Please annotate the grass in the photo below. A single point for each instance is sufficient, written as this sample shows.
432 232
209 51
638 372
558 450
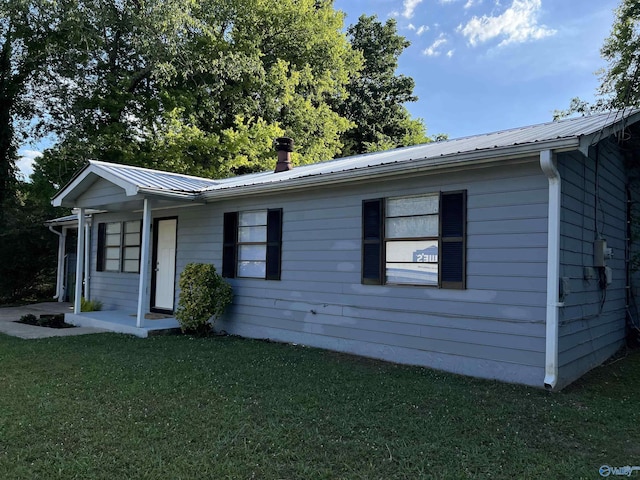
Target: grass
112 406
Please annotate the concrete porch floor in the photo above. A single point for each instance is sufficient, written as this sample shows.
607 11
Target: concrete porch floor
121 321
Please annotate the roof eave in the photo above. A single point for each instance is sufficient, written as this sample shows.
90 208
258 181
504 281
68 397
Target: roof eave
617 126
445 162
60 199
172 194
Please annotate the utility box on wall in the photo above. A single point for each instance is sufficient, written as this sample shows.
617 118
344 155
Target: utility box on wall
601 253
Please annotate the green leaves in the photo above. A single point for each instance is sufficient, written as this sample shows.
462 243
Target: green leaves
204 296
621 80
376 98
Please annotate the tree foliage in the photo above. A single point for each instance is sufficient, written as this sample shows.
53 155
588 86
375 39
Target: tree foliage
27 248
375 104
31 38
223 76
620 80
196 87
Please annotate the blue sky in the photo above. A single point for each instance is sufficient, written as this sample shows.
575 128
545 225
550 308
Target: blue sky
487 65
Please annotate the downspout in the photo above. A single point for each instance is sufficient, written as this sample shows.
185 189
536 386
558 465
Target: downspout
60 270
553 269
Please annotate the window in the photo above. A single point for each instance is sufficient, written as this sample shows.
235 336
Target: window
119 246
131 247
415 240
252 244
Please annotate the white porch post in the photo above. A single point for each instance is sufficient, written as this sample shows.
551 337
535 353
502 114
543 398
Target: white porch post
144 262
79 262
87 263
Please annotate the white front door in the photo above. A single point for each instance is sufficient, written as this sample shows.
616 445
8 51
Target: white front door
165 264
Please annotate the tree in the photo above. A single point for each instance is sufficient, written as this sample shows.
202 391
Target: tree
377 96
620 80
224 75
30 36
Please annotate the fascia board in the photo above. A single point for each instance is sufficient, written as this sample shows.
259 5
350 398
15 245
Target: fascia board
461 161
66 196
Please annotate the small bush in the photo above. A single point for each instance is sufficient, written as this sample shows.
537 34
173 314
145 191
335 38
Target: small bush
46 320
90 305
29 318
204 296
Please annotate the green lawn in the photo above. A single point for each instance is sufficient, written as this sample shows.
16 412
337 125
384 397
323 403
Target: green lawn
117 407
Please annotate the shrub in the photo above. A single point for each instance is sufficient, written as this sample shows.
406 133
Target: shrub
29 318
204 296
90 305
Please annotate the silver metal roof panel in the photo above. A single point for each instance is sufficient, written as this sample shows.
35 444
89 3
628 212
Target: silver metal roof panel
572 128
568 133
157 180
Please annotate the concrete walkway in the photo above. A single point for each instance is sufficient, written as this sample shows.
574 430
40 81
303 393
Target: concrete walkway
9 315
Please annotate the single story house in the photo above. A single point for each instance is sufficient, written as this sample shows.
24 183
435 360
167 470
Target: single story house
502 256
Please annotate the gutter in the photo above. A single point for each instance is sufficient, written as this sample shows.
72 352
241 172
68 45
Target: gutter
176 194
553 269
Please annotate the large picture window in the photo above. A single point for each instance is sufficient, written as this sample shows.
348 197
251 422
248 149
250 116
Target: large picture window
252 244
415 240
119 246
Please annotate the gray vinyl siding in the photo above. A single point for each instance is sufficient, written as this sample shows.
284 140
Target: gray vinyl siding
493 329
102 192
592 321
116 291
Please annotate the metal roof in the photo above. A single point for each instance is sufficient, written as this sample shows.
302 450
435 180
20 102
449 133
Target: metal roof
572 133
559 132
148 179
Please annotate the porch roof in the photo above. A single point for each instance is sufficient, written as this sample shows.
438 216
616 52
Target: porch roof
134 181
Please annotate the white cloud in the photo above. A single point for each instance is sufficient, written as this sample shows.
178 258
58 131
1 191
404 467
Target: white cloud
444 2
25 162
433 49
450 53
422 29
472 3
411 26
517 24
409 7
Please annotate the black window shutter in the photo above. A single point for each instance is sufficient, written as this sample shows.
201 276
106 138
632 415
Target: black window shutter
372 222
102 232
274 243
453 226
229 244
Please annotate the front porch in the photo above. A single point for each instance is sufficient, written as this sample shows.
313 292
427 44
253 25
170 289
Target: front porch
121 321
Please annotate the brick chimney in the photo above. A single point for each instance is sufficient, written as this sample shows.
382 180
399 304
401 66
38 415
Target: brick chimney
284 147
